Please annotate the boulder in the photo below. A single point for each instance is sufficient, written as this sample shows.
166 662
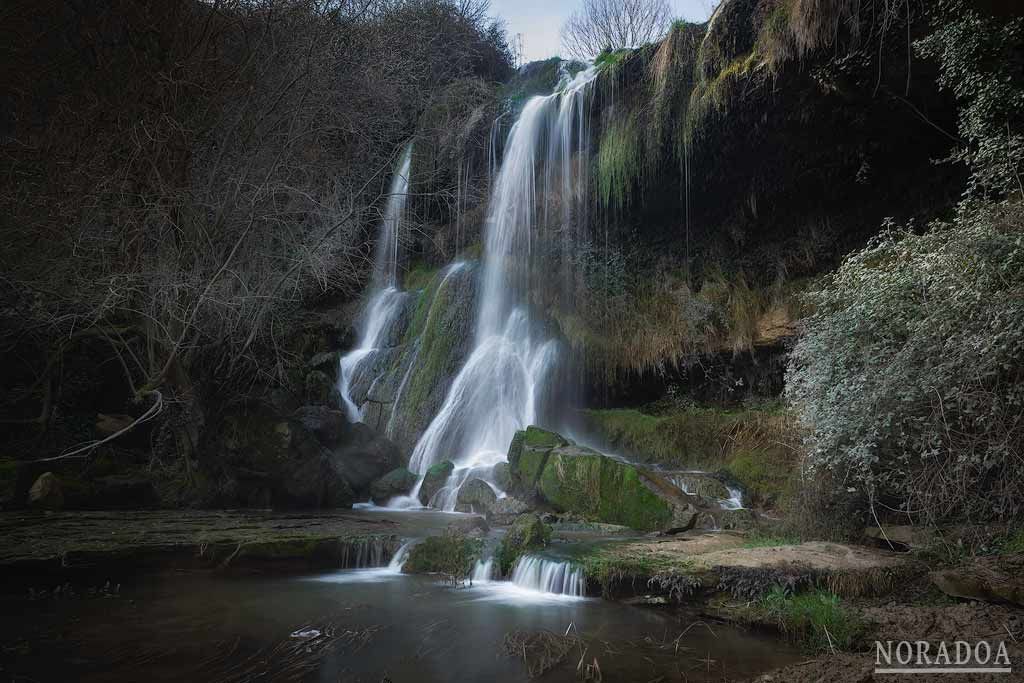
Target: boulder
505 510
502 475
997 578
435 479
699 484
363 456
527 533
314 484
579 480
477 495
46 493
901 537
527 455
327 424
452 555
397 482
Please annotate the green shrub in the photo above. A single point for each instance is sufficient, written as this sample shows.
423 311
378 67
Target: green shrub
979 60
910 377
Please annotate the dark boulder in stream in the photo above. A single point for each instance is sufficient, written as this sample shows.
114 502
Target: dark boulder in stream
476 495
397 482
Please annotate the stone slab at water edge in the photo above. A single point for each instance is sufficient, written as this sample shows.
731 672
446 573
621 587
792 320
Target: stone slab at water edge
181 538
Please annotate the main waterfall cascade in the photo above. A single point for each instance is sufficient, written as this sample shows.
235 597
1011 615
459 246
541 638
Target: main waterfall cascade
504 384
385 302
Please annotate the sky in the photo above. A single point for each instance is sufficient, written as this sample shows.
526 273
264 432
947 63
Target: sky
540 21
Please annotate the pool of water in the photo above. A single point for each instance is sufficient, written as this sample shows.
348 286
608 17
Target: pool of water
360 625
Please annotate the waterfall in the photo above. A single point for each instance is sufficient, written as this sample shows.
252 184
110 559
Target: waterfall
501 386
399 558
385 301
483 571
369 552
549 576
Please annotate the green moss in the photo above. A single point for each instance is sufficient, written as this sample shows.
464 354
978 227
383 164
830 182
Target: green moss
436 343
419 276
541 438
601 489
527 533
424 305
452 555
611 58
691 438
767 474
528 453
758 540
618 161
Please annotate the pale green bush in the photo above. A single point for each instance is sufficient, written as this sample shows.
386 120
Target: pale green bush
910 376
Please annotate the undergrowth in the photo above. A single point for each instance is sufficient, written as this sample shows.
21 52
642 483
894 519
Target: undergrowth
817 619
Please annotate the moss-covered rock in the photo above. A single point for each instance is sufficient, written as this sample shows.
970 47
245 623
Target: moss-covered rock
452 555
433 348
502 475
547 467
435 479
476 495
397 482
526 534
579 480
527 455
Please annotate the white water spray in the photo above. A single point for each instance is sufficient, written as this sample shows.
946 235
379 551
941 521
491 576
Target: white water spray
385 301
498 390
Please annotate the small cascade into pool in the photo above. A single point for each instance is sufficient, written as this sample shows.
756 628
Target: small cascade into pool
368 553
483 571
549 576
399 558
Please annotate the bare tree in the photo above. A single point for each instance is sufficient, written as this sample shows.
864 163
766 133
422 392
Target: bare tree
614 24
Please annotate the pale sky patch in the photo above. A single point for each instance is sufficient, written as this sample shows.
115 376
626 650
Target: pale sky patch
540 21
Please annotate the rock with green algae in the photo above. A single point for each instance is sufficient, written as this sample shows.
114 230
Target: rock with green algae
527 533
434 480
579 480
397 482
453 555
527 455
436 341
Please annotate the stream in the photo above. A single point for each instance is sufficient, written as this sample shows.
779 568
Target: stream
363 624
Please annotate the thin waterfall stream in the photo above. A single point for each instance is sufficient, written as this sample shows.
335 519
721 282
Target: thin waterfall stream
385 300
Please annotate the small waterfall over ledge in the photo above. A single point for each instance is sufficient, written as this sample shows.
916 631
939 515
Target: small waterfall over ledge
502 385
549 576
385 301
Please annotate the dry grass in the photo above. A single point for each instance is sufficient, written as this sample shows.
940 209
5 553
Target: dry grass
541 651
